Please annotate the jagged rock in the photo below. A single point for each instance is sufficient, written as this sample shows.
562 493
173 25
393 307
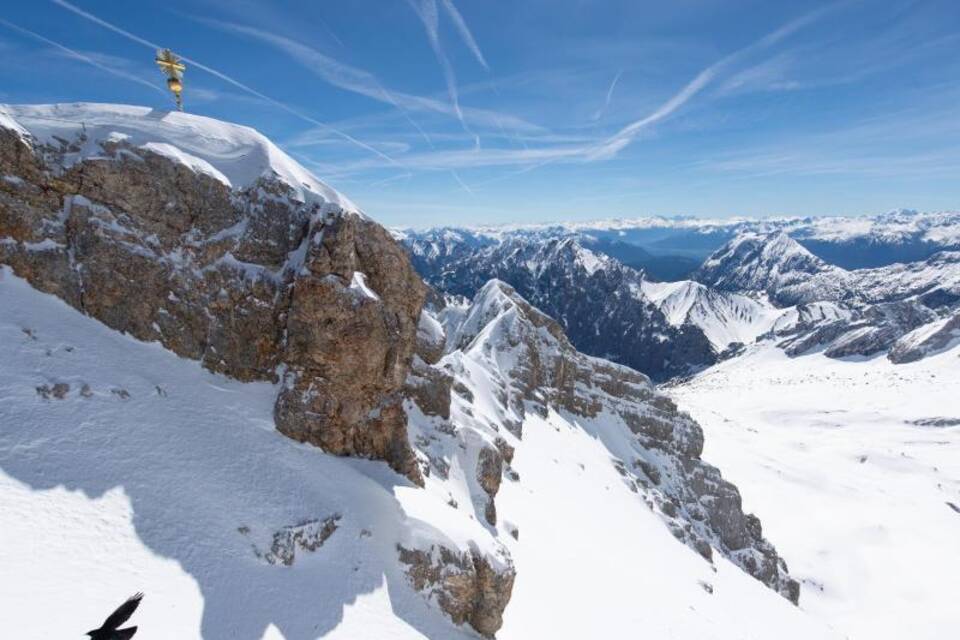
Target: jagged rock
541 371
306 536
598 301
431 338
926 340
249 280
429 387
467 586
489 475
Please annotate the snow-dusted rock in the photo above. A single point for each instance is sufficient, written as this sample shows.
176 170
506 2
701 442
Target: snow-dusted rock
515 362
204 236
775 264
927 340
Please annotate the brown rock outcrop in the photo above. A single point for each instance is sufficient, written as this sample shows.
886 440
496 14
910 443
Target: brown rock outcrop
254 282
466 585
546 373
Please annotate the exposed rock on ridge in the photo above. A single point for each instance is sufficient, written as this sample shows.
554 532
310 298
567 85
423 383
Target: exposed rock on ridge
256 282
655 448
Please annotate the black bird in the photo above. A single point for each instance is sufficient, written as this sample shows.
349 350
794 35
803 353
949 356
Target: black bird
109 630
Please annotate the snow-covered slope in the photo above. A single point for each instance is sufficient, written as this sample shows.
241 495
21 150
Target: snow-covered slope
584 524
853 465
123 467
725 318
233 154
146 472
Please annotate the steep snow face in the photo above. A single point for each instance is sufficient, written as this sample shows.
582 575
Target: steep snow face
853 465
126 468
236 155
594 562
725 318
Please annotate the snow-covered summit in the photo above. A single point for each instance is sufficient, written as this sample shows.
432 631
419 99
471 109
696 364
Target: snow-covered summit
236 155
775 263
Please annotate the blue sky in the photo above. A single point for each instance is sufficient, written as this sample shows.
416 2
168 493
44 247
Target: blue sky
430 112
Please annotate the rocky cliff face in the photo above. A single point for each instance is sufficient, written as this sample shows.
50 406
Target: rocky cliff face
506 359
256 281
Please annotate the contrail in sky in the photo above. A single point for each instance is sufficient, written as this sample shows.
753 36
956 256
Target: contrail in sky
135 38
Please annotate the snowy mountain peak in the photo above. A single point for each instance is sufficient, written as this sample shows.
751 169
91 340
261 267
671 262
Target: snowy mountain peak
232 154
754 262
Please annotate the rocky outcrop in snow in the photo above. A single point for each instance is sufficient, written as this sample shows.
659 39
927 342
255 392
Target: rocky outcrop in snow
251 266
510 359
932 338
465 585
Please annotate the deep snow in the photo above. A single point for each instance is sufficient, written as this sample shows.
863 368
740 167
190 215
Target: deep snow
852 465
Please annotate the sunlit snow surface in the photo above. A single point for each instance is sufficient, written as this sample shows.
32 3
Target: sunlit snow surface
233 154
171 489
851 466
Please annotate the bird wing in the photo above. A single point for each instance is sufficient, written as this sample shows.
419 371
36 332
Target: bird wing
123 612
125 634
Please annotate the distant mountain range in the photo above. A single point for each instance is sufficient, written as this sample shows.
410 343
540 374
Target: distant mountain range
761 280
672 248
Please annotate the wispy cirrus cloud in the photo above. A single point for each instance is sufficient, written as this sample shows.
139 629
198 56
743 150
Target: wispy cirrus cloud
362 82
464 31
606 103
601 148
622 138
222 76
108 64
429 16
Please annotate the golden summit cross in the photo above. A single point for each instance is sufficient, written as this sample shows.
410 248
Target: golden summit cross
170 64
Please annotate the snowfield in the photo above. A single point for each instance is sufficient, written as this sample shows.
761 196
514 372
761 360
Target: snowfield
853 466
150 473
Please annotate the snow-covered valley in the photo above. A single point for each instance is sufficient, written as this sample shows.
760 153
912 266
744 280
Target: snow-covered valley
853 464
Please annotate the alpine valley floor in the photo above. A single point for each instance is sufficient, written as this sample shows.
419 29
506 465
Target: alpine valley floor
853 465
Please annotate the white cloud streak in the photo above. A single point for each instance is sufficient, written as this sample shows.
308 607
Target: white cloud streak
606 103
604 148
364 83
222 76
465 33
83 57
427 11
